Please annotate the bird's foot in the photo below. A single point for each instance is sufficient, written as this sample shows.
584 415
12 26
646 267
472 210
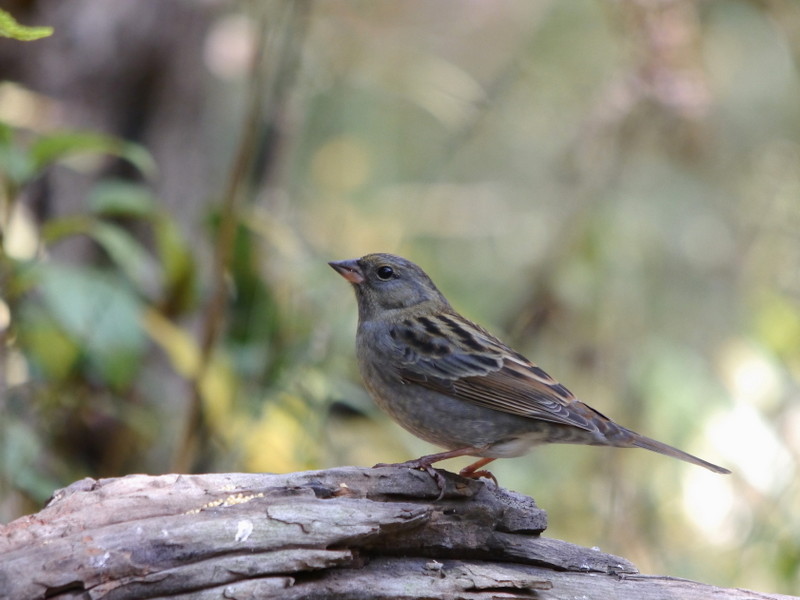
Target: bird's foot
478 474
422 465
474 470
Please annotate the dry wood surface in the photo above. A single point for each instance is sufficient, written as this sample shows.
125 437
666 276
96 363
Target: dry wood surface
339 533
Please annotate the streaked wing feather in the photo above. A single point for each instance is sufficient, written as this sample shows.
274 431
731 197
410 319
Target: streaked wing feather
453 356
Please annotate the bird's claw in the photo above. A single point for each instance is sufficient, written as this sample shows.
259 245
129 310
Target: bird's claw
478 474
437 477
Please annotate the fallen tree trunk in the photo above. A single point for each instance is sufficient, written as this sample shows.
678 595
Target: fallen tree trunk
339 533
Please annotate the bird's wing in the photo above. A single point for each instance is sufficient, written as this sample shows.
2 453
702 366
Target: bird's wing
448 354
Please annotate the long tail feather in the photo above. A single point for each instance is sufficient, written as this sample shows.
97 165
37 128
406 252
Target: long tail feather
640 441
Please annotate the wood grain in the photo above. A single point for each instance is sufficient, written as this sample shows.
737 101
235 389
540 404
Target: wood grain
339 533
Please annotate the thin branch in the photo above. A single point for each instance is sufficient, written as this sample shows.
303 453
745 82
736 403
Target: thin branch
196 430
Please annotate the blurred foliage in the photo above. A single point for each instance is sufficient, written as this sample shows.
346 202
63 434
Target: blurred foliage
74 344
11 29
612 187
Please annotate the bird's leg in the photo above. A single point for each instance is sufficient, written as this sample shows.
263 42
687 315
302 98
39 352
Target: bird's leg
474 470
424 463
427 461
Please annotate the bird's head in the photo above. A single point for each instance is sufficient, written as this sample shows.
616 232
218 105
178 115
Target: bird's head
385 282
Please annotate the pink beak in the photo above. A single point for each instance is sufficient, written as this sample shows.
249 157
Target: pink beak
349 269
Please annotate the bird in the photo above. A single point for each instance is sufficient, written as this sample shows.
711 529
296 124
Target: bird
452 383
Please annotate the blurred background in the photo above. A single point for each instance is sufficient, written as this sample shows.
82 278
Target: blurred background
613 187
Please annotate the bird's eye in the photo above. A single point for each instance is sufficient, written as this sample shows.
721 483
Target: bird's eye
385 273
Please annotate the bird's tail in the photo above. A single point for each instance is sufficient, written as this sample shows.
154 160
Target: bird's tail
640 441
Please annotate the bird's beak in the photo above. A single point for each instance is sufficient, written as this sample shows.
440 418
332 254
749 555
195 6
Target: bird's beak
348 269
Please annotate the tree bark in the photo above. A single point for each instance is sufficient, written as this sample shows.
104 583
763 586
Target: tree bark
339 533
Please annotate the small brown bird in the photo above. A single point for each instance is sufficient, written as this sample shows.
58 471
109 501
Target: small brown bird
452 383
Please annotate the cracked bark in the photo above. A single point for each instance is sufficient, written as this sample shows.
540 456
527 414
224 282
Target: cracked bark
339 533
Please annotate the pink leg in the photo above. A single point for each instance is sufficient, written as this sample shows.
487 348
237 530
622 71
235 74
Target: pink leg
427 461
474 470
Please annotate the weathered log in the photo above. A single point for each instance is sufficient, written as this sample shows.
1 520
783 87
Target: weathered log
339 533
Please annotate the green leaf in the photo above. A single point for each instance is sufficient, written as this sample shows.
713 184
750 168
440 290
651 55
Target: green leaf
51 148
6 133
21 451
120 198
133 260
178 267
56 229
139 266
16 164
52 353
100 312
11 29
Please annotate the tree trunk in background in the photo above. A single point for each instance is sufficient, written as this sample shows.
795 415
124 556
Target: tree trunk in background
338 533
126 68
